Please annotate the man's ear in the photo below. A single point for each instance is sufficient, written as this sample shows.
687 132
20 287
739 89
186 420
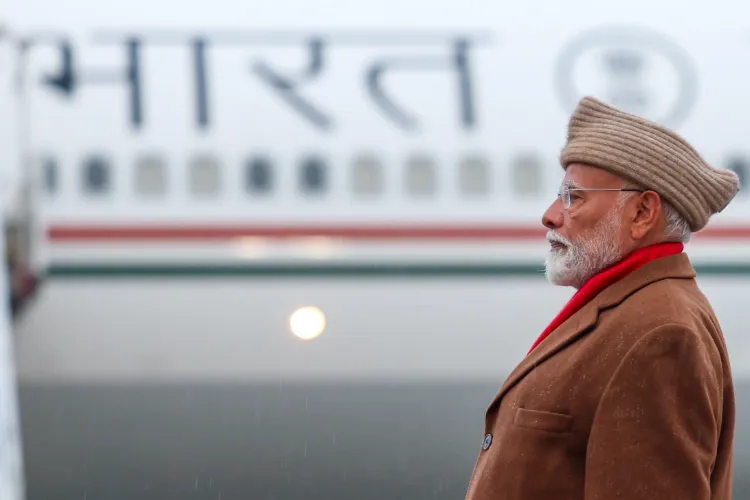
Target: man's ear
647 214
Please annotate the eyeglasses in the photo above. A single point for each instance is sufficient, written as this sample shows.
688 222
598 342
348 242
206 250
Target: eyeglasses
565 191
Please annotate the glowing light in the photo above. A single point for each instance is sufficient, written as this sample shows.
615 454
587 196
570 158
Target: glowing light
307 322
321 247
252 247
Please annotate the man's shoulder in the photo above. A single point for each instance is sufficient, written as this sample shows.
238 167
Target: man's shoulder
670 301
666 309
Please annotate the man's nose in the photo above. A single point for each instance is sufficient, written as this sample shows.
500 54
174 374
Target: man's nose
553 216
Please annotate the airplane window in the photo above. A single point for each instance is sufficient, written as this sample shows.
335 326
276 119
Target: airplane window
50 175
258 176
420 176
205 175
740 167
367 175
96 175
150 175
474 175
313 175
527 175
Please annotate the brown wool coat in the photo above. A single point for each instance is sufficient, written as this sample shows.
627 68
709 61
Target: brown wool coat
630 398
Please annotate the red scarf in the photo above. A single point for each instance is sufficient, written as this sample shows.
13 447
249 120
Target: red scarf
605 278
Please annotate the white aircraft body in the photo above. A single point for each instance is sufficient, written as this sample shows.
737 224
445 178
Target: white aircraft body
292 249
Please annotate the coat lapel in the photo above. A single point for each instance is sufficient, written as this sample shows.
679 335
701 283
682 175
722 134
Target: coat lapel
581 323
571 330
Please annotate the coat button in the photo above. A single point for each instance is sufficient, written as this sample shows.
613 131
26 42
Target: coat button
487 441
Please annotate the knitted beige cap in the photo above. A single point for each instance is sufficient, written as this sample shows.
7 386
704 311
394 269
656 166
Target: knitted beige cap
650 155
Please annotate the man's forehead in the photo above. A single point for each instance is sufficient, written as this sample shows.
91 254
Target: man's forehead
579 175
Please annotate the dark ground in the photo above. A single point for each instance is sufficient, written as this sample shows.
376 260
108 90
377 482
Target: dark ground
280 442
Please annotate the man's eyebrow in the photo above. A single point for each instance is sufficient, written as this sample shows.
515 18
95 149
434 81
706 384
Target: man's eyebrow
572 185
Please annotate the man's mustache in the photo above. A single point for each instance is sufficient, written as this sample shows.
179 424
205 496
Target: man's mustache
553 237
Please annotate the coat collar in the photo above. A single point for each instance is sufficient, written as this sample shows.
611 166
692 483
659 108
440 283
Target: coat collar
580 323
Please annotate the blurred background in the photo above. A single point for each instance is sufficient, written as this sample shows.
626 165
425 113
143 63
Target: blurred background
291 250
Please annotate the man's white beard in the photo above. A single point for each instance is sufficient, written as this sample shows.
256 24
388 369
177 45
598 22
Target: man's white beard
579 261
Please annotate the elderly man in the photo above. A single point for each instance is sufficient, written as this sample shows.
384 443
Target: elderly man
627 394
